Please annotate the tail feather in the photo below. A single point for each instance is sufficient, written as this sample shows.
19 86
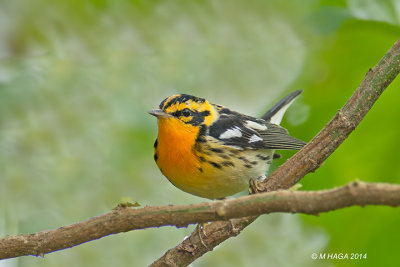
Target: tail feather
275 114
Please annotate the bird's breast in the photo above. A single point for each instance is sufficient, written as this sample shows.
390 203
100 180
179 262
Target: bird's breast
175 151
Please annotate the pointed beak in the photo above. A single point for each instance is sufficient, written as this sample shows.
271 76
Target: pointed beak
159 113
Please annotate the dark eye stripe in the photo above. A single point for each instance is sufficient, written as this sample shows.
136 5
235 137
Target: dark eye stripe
186 112
205 113
177 114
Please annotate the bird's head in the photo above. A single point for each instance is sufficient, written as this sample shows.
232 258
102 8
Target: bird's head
186 108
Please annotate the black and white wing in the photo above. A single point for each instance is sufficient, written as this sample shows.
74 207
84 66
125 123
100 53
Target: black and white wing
241 131
244 132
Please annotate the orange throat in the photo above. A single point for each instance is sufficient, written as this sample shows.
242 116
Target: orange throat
174 150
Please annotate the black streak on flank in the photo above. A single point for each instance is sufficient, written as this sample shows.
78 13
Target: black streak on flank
224 156
244 159
202 158
156 143
228 163
234 152
216 165
248 166
155 157
263 157
254 162
217 150
200 169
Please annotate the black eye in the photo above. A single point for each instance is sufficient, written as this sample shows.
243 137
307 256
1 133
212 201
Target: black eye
186 112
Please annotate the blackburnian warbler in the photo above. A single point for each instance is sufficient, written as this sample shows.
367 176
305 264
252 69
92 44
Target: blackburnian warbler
213 152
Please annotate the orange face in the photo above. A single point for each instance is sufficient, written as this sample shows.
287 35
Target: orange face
179 121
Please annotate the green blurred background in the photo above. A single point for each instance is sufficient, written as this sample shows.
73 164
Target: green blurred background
78 77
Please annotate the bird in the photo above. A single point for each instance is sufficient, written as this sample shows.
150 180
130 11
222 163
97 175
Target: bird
213 152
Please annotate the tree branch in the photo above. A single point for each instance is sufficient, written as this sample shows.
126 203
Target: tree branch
306 160
126 219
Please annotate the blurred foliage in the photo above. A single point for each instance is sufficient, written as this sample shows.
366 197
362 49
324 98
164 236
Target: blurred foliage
76 80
